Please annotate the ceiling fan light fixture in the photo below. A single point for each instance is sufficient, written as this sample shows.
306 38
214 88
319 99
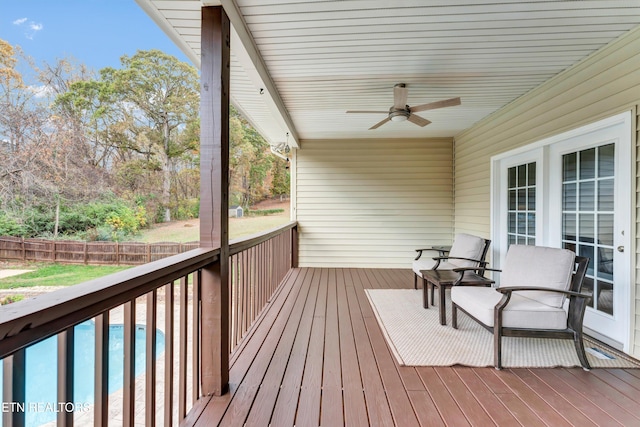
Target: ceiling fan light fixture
398 115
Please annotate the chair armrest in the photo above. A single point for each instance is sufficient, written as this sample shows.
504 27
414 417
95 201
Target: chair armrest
510 289
440 258
478 269
441 251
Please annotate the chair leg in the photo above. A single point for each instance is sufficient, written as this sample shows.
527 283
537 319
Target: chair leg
577 340
454 316
415 281
497 348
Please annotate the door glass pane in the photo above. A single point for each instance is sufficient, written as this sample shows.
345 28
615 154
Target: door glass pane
531 174
587 286
522 224
587 195
587 228
512 177
588 199
587 164
605 195
569 226
569 197
521 196
605 264
587 251
522 175
531 199
512 223
569 167
606 160
605 229
605 297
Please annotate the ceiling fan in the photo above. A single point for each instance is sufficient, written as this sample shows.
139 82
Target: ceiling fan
400 111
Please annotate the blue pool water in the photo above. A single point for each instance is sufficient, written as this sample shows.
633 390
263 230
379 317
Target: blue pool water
42 361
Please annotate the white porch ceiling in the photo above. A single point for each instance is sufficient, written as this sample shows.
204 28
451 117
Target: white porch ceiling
317 59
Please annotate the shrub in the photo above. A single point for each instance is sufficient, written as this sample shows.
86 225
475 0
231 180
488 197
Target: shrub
11 299
126 221
10 227
263 212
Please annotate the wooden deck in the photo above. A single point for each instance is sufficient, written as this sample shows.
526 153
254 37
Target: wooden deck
318 357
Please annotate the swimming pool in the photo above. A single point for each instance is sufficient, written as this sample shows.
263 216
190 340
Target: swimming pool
41 360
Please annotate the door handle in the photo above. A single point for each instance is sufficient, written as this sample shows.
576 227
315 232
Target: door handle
620 248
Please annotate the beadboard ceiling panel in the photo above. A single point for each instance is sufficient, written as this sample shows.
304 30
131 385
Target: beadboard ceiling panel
321 58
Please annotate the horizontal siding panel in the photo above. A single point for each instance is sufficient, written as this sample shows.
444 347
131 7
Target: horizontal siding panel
372 203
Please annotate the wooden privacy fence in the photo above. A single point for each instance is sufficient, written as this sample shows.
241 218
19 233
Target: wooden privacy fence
167 295
74 252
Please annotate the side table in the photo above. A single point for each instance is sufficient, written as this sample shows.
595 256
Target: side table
443 279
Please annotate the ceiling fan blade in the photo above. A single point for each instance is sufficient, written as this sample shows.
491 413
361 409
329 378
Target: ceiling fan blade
377 125
400 93
438 104
420 121
368 112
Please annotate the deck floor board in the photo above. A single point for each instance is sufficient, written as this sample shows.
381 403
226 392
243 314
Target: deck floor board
317 356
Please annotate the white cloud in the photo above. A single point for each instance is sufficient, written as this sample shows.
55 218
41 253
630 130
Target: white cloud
20 21
41 91
33 29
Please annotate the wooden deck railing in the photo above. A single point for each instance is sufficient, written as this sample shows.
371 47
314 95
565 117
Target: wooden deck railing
163 295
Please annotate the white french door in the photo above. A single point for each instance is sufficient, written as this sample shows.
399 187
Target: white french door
591 176
573 191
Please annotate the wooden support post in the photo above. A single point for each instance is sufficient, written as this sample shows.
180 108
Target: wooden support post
214 197
294 247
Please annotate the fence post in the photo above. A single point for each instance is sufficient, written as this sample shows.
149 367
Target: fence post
24 250
117 253
86 253
148 252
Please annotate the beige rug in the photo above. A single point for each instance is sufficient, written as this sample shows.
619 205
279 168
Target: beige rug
417 339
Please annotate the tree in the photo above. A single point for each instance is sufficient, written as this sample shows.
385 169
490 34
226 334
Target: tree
166 97
8 62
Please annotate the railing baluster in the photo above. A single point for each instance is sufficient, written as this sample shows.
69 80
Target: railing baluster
129 392
13 389
182 378
65 375
101 385
168 354
197 337
150 398
246 306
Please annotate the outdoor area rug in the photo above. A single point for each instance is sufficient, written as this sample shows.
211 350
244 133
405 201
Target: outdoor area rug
416 338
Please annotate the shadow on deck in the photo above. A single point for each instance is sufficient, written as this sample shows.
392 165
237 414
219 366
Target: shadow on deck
318 357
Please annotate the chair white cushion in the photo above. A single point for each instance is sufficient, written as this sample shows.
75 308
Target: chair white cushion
539 266
520 312
428 263
466 246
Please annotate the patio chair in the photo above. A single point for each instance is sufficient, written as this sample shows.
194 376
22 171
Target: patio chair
467 251
540 295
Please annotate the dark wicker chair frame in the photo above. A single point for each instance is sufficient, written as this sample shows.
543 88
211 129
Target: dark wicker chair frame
442 256
577 305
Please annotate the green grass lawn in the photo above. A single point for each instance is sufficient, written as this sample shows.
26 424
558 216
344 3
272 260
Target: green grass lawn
189 231
57 275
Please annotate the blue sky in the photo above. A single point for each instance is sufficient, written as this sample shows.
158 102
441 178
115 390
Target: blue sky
94 32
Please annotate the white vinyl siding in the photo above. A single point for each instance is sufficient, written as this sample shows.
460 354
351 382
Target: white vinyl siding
602 85
371 203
